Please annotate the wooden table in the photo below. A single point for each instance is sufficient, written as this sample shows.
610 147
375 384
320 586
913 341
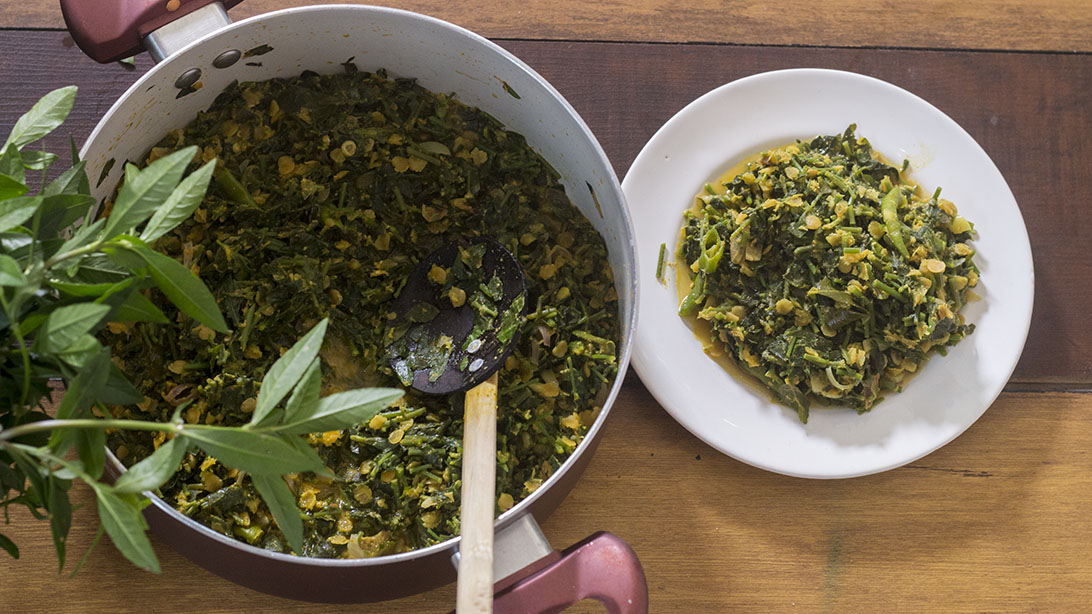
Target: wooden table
997 521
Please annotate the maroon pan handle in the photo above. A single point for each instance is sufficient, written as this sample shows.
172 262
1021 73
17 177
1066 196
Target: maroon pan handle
112 30
601 567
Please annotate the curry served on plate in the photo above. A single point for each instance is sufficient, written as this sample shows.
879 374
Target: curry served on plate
328 191
824 273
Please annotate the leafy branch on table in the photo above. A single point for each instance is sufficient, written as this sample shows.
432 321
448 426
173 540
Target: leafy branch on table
65 272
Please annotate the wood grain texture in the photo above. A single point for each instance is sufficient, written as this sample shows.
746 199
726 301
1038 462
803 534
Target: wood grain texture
1029 111
997 521
994 522
1044 25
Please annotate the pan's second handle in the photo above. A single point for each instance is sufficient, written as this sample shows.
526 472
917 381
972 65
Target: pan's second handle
602 567
111 30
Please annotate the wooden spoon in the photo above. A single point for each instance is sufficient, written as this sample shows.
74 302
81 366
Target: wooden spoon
444 348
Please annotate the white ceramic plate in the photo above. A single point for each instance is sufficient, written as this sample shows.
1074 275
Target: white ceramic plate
714 133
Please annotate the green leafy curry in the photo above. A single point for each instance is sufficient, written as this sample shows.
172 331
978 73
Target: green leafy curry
825 274
327 192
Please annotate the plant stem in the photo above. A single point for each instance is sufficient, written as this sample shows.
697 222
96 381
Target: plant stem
7 435
44 454
79 251
85 423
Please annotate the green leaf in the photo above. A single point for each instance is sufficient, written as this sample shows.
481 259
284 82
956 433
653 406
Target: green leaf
305 398
10 273
69 182
84 185
80 289
154 470
117 289
15 211
38 160
87 553
145 190
84 235
91 446
60 517
69 472
67 323
113 289
124 254
36 439
117 390
184 289
131 172
137 308
97 268
39 490
342 410
121 517
11 163
280 500
288 370
43 117
31 323
59 211
252 452
9 478
180 204
82 392
9 546
11 187
80 350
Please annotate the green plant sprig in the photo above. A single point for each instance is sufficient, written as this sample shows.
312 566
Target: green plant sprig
63 276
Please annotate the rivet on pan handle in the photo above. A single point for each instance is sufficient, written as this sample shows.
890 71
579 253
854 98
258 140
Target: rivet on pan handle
112 30
601 567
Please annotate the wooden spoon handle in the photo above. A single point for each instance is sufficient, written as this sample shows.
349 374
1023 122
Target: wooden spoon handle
475 590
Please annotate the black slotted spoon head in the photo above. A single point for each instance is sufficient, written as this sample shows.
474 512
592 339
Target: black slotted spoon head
434 325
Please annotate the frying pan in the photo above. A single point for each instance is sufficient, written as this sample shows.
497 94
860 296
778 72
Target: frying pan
199 52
